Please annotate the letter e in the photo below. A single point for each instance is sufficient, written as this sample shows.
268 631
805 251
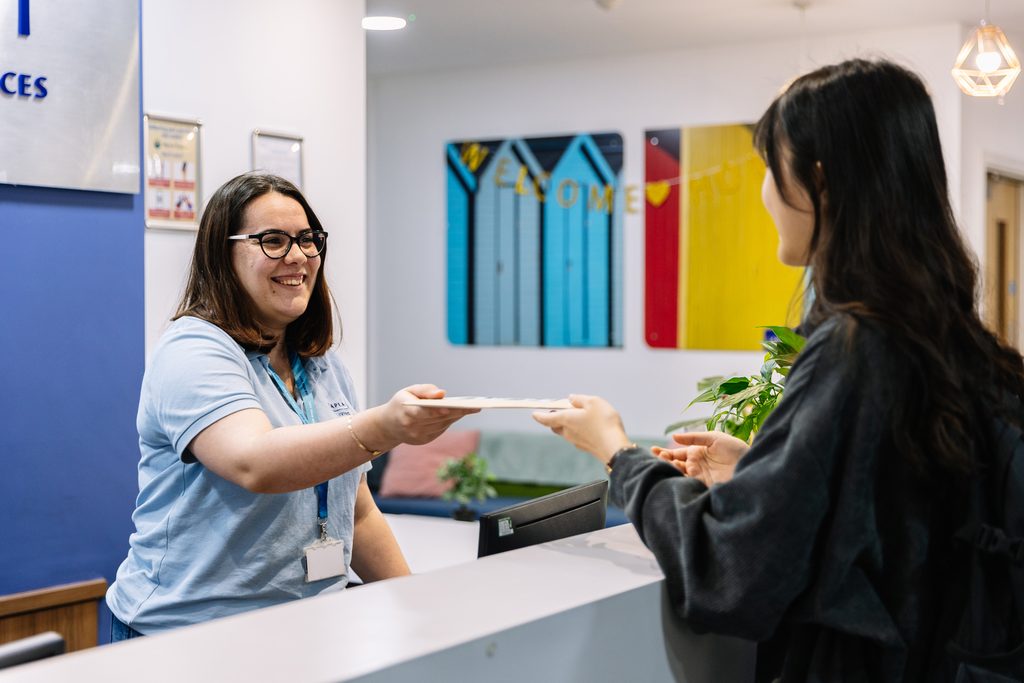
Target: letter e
500 171
631 199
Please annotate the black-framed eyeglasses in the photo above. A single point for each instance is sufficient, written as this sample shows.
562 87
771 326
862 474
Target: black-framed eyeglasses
277 243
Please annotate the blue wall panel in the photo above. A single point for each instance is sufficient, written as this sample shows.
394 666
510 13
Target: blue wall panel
73 340
458 276
576 255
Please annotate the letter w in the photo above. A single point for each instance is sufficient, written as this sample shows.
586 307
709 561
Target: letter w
473 154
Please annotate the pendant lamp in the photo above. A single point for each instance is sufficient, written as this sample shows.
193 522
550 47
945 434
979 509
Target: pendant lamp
986 65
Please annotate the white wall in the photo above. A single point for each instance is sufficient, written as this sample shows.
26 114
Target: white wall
298 67
414 115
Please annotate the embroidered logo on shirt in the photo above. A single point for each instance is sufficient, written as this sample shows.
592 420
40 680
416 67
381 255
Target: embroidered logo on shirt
340 408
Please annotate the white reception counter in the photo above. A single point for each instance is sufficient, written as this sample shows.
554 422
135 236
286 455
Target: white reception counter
587 608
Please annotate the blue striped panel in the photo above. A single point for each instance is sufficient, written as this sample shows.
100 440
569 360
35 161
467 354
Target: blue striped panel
458 267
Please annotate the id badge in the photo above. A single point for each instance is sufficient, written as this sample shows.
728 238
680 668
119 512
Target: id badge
324 559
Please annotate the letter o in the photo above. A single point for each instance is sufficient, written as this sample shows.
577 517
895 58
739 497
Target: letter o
575 193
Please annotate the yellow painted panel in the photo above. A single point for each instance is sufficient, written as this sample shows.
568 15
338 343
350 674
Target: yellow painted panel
731 282
684 240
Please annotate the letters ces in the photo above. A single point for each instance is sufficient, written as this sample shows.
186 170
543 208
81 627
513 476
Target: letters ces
23 85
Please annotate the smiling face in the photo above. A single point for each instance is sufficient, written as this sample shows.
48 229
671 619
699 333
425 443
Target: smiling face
279 288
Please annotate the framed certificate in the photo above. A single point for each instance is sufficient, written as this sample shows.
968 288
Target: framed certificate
278 153
172 172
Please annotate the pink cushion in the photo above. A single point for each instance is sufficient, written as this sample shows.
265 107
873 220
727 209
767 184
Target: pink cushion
411 471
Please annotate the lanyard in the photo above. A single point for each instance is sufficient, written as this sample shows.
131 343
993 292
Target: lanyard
306 411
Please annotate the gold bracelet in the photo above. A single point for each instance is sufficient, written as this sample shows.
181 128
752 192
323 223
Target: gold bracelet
360 443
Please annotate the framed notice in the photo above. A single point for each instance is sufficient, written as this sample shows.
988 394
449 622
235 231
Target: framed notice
172 172
279 154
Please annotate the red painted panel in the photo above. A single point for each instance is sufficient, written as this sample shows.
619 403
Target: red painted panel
661 249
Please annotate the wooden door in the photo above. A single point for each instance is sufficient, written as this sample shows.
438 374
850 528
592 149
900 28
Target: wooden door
1002 262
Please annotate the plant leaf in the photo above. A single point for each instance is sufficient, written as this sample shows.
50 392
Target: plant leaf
733 385
709 382
788 337
685 425
740 396
709 394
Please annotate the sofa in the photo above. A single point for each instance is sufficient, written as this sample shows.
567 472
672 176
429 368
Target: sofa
525 465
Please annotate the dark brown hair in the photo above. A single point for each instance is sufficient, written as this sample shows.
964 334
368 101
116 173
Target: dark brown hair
213 292
886 248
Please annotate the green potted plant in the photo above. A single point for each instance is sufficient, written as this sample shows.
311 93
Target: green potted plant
470 479
740 404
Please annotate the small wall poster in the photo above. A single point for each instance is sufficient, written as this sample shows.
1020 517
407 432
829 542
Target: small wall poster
712 277
535 241
172 173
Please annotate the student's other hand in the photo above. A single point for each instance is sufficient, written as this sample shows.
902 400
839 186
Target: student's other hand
592 425
710 457
418 424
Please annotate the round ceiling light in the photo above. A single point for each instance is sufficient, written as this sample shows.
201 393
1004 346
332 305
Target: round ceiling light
383 23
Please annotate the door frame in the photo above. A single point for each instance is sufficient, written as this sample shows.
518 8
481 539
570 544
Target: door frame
1011 169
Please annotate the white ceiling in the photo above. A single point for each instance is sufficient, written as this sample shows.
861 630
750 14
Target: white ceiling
450 34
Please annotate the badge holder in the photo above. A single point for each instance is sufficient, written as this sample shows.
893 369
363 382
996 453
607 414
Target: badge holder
325 559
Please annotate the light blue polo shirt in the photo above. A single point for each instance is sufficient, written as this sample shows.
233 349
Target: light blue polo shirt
203 547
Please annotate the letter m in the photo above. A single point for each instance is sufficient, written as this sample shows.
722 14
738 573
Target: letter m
601 201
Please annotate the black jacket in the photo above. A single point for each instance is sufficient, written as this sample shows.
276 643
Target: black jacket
826 545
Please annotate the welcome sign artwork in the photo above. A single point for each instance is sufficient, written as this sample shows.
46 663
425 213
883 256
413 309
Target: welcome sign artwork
712 279
535 241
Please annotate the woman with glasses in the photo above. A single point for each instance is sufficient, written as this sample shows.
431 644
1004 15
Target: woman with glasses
253 452
830 538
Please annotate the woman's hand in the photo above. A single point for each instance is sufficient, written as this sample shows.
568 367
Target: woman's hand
417 424
710 457
246 449
592 425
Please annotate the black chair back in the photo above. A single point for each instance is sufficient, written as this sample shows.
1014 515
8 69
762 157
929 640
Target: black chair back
30 649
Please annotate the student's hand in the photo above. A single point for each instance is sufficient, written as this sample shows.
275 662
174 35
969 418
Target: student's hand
592 425
418 424
710 457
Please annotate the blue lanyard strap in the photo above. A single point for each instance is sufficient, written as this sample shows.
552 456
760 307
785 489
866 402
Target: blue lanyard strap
306 410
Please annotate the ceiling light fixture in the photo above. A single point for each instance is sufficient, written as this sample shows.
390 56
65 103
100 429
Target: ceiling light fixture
383 23
986 66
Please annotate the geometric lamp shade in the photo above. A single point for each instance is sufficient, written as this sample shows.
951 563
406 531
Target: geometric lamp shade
986 65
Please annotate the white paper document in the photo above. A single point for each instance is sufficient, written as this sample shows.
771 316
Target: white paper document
487 402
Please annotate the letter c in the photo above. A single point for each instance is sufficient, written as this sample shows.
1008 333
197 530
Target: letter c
3 83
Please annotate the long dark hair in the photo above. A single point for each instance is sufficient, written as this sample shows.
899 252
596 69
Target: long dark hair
213 292
861 139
